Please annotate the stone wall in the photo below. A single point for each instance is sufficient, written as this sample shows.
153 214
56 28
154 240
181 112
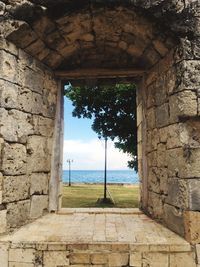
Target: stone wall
28 93
169 142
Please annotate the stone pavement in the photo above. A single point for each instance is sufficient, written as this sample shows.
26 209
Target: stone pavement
95 237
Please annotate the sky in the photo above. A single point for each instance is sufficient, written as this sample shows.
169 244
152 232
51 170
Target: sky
82 145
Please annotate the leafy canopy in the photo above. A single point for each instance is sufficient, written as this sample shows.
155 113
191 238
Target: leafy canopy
113 110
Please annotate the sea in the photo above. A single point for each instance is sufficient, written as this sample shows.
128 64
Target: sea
97 176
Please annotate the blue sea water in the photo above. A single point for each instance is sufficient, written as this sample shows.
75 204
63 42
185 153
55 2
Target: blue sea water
90 176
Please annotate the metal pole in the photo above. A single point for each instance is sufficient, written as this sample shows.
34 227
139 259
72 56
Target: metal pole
105 173
69 161
69 173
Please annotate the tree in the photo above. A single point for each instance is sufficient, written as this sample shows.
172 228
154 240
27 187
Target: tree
113 110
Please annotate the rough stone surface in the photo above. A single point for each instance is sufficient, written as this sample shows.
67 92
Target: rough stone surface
39 204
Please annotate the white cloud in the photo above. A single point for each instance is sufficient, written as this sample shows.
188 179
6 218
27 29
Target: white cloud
89 155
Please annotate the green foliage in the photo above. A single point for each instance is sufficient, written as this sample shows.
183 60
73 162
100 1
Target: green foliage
113 110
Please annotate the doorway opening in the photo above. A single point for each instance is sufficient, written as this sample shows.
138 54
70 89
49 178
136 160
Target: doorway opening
100 145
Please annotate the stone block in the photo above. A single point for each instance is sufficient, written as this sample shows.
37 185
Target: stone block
163 176
8 67
161 155
39 184
155 259
118 259
151 120
155 205
194 194
187 165
22 255
153 180
162 115
16 188
16 125
3 221
99 258
174 136
173 218
25 100
192 226
39 151
184 259
4 247
189 75
14 159
79 258
181 105
8 94
21 264
37 104
43 126
198 253
163 134
135 259
56 258
177 193
56 247
39 204
33 80
18 213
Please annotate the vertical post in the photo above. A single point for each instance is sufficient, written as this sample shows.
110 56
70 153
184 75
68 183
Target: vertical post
105 171
57 151
69 173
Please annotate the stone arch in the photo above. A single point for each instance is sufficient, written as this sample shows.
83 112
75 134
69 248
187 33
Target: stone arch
41 39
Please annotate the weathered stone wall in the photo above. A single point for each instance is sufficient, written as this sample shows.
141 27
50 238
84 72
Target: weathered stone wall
169 142
27 109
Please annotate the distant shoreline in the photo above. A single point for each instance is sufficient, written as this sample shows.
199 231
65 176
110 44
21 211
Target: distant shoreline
120 184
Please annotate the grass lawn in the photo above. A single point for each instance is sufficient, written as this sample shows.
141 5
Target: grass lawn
80 196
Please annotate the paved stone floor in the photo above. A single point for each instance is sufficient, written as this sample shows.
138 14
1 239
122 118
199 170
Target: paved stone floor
93 225
100 237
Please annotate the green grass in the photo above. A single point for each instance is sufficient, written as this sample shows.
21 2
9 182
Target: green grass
82 196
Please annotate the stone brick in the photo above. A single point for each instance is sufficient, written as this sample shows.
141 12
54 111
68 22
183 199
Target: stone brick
43 126
174 136
8 67
55 258
8 95
17 125
194 194
162 115
18 213
22 255
135 259
185 259
155 259
39 184
189 75
3 221
151 120
4 254
14 159
155 205
181 105
177 193
79 258
16 188
161 155
32 80
174 219
198 253
186 166
39 150
21 264
118 259
99 258
39 204
192 226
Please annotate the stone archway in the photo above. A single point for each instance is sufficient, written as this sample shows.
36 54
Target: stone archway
43 42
